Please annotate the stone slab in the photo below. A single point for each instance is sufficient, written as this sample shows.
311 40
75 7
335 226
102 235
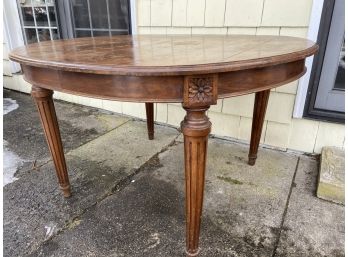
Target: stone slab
331 175
312 227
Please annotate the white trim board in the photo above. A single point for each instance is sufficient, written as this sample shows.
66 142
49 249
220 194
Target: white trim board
302 88
12 29
133 12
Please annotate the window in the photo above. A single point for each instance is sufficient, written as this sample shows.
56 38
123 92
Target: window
52 19
38 20
325 96
100 17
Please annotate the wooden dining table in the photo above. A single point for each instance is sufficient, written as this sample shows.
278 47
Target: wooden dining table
194 70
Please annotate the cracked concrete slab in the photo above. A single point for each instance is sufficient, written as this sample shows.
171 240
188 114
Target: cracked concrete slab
312 226
95 169
78 125
128 196
245 202
146 218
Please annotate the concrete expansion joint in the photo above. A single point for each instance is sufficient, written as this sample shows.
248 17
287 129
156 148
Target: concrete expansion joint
66 227
292 185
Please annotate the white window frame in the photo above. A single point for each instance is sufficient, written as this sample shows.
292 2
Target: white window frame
304 81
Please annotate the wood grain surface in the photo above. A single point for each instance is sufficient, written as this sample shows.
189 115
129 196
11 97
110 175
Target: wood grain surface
160 89
148 55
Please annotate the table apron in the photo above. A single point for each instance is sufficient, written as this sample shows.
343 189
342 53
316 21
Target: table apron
159 89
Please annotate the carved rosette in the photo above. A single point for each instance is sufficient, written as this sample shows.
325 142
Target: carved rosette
200 90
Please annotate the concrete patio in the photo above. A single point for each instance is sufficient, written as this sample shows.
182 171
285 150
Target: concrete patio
128 193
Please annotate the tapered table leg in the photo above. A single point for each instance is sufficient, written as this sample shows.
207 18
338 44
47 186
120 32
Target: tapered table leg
45 106
196 128
150 120
260 107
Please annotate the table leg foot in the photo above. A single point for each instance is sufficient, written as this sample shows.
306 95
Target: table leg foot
150 120
66 190
188 254
196 128
252 160
45 106
260 107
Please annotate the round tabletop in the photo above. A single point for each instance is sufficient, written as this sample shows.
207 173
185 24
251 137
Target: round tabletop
148 55
162 68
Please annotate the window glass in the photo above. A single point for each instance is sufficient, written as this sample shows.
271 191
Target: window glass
41 16
30 35
55 34
28 16
52 16
118 14
99 14
80 13
44 34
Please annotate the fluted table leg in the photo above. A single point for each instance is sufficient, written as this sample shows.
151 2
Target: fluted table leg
150 120
196 128
200 91
260 107
45 106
